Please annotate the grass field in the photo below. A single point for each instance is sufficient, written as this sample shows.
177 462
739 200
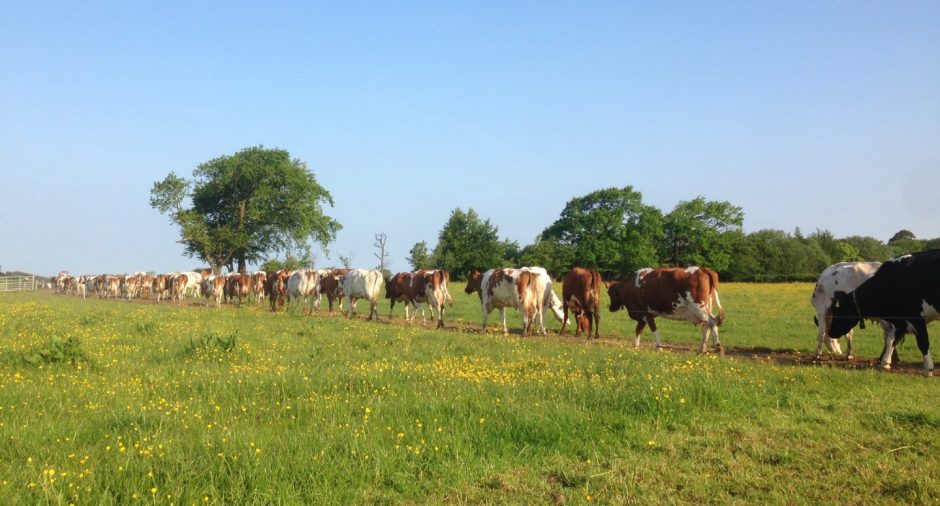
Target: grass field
105 402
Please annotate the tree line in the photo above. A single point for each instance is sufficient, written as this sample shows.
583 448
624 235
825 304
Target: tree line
258 203
611 230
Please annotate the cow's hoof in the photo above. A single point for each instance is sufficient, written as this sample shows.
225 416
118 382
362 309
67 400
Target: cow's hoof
849 356
928 374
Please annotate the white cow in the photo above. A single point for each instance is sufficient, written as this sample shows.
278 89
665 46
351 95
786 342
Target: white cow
193 283
304 284
362 284
91 285
840 277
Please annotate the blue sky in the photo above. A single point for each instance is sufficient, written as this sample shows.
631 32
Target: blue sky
807 114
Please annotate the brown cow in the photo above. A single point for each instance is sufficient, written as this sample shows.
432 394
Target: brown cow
276 288
676 293
399 289
474 283
581 291
237 286
331 285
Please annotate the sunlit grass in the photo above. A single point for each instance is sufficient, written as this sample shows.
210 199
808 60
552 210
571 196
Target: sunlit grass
322 410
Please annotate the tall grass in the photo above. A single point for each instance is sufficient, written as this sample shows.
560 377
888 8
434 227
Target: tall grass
167 406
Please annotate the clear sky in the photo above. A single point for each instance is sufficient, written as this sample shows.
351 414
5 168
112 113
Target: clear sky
807 114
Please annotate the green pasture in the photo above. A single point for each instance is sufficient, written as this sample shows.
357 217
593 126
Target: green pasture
107 402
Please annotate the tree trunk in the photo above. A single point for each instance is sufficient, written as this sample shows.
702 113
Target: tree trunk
242 267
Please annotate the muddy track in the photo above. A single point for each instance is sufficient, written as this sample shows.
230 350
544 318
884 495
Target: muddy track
756 354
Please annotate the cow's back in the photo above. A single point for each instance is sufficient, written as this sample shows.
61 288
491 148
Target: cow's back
903 287
843 276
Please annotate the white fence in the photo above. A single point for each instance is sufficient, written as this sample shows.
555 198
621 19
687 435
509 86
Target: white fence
19 283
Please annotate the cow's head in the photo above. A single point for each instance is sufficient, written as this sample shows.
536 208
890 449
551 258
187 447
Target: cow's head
474 282
613 290
845 315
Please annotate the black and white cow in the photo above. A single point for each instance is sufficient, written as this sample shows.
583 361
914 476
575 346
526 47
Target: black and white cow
905 292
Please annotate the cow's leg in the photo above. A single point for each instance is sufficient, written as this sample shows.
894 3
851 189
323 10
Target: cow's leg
713 324
392 308
888 352
564 321
349 307
709 327
373 312
502 320
923 344
848 346
485 314
597 323
652 323
822 322
640 325
440 311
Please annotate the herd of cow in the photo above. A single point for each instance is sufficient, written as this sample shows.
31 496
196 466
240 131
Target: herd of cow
902 295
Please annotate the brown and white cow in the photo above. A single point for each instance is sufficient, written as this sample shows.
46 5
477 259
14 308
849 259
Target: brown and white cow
144 285
331 285
58 282
178 287
304 285
239 285
257 285
502 288
159 287
676 293
128 287
109 286
581 292
399 289
276 288
430 287
213 287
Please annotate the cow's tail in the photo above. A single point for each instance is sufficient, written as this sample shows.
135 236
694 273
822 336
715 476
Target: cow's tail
721 312
714 289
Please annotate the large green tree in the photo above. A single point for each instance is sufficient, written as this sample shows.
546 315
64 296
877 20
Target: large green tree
701 232
610 230
419 257
246 206
466 242
556 258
